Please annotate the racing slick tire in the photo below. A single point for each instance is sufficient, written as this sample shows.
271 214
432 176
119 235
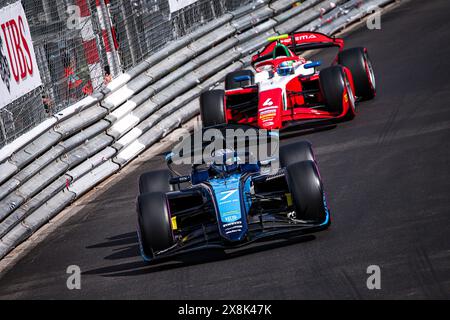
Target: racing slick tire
212 108
335 85
357 60
307 192
230 83
295 152
155 227
155 181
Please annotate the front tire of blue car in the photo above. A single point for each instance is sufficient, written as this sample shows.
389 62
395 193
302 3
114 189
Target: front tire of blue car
154 224
296 152
307 192
155 181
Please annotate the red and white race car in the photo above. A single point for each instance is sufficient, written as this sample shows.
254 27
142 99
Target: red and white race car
286 88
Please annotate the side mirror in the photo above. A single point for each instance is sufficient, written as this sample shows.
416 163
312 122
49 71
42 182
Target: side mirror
168 157
241 78
180 179
312 64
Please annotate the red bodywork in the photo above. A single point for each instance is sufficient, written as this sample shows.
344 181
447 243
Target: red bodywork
268 109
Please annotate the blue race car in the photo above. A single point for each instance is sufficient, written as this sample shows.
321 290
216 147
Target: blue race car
230 204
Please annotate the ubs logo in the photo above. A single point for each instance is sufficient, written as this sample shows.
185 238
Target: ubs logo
5 72
18 51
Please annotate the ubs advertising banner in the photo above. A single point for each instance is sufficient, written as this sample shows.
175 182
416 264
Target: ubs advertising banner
176 5
19 71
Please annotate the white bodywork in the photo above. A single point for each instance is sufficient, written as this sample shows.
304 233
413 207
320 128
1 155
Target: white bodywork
268 80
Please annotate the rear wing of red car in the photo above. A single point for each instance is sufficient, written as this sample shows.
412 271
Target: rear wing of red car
298 42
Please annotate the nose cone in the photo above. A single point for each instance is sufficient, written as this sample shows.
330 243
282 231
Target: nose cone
230 211
269 109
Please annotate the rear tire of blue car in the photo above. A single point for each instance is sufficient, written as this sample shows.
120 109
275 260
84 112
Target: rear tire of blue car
296 152
231 83
155 226
212 108
307 192
155 181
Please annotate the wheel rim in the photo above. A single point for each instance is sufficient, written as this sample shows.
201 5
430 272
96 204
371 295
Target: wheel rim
351 96
370 73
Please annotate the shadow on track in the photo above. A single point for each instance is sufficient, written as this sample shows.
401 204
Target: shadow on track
182 260
303 129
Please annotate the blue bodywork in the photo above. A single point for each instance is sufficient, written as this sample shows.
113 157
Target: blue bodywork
232 205
312 64
241 78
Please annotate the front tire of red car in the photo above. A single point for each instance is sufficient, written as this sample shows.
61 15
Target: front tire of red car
212 108
358 62
231 83
337 91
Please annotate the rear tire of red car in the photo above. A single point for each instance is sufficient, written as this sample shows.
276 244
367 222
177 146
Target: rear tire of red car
357 60
212 108
295 152
307 192
230 83
334 85
155 226
155 181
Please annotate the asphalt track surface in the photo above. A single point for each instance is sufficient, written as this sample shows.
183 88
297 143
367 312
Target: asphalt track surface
386 174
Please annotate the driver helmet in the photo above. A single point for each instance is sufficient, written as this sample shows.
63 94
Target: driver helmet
225 161
285 68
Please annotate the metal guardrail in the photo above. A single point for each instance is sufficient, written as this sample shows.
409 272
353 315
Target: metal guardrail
93 139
